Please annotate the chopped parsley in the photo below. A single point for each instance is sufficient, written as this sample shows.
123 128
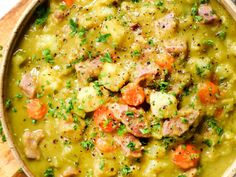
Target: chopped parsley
182 176
129 113
184 120
49 172
97 87
87 145
73 26
135 1
47 56
126 170
106 58
2 134
208 142
103 37
204 1
42 13
208 42
135 53
19 95
121 130
145 130
221 35
8 103
212 123
163 86
159 3
131 146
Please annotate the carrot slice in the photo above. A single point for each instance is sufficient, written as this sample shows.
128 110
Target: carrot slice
133 94
208 93
69 3
186 156
166 61
36 109
105 120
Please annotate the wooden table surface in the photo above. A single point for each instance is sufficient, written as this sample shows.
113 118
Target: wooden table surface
8 165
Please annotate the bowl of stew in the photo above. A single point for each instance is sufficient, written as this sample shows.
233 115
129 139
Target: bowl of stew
122 88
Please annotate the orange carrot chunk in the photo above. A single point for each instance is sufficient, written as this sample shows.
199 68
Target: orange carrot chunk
186 156
69 3
166 61
36 109
133 95
105 120
208 93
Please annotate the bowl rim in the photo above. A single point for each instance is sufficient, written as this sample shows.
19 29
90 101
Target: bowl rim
7 53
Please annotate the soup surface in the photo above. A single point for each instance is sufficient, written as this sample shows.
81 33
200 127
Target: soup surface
125 88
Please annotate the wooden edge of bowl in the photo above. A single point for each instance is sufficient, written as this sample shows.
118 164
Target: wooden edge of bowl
228 4
8 50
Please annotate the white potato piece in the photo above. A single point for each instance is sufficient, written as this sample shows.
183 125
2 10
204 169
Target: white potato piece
91 97
116 30
163 105
113 76
48 80
154 167
46 41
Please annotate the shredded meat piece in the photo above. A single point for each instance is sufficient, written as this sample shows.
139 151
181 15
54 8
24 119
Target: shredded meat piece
207 13
176 47
130 145
88 69
28 85
70 172
134 119
31 141
178 125
166 25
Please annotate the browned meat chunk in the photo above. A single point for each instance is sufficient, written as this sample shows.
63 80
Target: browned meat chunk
28 85
130 145
207 13
70 172
31 141
176 47
59 15
178 125
166 25
88 69
134 119
145 73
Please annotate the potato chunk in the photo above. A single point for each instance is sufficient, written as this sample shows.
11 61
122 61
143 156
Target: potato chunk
91 97
47 41
163 105
114 28
113 76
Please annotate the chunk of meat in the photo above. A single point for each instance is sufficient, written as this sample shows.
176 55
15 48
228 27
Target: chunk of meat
88 69
133 94
134 119
130 145
186 156
31 141
70 172
207 13
105 143
28 85
178 125
166 25
145 73
176 46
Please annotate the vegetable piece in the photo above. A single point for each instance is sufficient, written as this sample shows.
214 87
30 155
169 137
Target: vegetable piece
133 94
36 109
69 3
186 156
165 61
208 93
105 120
